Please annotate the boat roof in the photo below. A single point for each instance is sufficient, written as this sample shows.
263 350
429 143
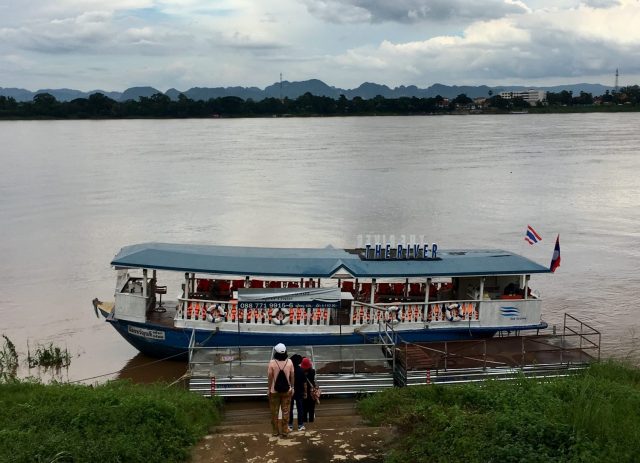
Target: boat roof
318 262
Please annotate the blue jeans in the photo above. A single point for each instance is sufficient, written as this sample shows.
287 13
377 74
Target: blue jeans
298 402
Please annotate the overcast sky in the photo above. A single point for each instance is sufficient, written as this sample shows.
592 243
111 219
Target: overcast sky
115 44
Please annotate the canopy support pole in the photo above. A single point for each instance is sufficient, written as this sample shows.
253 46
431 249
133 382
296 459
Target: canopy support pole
144 282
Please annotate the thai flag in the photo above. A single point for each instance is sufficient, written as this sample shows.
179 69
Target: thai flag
555 260
531 236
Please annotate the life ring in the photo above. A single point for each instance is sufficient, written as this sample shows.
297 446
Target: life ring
450 310
216 313
280 316
393 317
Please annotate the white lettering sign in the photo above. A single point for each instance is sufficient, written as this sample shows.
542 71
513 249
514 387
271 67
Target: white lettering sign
146 333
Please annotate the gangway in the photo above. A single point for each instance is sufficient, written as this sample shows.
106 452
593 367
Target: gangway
364 368
242 371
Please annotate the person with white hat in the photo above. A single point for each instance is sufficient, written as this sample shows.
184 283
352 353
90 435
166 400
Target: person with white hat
280 376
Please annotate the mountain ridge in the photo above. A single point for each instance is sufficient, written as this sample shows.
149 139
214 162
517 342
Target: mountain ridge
286 89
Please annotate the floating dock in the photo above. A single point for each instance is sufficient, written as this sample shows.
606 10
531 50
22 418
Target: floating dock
241 371
372 367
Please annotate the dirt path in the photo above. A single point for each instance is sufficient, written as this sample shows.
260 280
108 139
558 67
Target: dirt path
337 435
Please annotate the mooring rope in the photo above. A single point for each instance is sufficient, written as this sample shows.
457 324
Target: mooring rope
127 369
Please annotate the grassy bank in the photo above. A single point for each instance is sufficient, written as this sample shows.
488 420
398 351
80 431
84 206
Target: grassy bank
116 422
592 417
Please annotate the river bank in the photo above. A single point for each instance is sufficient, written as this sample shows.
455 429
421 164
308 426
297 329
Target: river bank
114 422
575 109
591 416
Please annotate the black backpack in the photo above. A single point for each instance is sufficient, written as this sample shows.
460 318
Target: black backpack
282 383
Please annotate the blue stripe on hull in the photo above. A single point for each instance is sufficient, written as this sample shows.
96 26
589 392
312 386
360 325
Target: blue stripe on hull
176 340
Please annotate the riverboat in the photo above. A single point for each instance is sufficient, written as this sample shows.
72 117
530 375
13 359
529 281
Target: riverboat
251 296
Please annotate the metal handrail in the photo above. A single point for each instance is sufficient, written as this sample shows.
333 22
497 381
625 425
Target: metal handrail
447 353
352 357
582 334
192 343
581 322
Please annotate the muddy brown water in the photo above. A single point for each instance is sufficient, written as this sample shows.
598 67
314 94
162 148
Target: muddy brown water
72 193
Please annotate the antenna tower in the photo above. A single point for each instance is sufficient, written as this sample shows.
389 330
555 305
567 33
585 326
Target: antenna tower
281 85
616 85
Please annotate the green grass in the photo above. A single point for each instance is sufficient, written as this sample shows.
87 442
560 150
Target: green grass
591 417
115 422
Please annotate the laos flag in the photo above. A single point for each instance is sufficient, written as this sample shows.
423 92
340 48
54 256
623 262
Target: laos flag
531 236
555 260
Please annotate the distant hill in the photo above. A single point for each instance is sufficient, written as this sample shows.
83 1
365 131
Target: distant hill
61 94
296 89
19 94
134 93
316 87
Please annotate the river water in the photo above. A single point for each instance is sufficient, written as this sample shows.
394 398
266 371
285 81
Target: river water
72 193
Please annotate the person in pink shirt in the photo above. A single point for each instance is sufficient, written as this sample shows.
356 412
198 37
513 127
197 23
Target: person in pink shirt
280 380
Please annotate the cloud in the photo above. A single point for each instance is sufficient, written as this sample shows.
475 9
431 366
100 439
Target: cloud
14 62
411 11
577 43
95 32
344 42
601 3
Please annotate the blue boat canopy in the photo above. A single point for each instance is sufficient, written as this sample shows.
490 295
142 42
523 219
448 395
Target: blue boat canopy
318 263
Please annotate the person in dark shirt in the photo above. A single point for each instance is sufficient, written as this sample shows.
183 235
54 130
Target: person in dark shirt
309 403
298 392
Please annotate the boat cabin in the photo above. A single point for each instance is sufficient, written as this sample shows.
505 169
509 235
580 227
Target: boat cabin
240 288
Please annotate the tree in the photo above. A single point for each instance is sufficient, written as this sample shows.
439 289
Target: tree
343 104
498 102
8 103
583 99
100 105
462 100
44 104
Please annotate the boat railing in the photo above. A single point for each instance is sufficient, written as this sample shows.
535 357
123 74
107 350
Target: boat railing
216 311
589 337
455 361
363 313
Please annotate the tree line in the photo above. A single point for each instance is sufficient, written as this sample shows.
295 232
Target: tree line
97 105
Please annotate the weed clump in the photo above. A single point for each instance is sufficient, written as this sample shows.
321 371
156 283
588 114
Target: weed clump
8 360
49 357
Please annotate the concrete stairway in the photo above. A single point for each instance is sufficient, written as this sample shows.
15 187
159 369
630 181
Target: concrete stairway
338 434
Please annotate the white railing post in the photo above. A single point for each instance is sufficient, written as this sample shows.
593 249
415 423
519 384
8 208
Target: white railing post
426 301
351 321
372 297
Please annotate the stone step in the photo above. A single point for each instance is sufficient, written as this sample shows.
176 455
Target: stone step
338 434
245 412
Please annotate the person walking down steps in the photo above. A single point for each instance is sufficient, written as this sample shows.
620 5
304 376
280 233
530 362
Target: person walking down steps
298 393
280 376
